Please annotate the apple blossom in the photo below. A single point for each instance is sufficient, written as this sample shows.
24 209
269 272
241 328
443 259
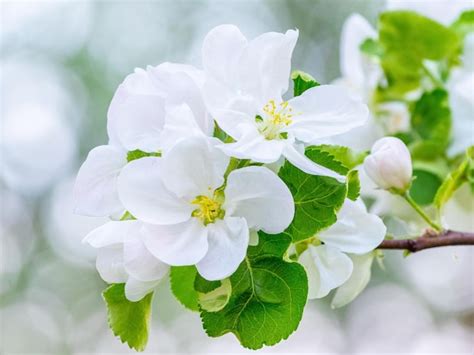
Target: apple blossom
123 258
190 217
245 81
356 232
389 164
150 111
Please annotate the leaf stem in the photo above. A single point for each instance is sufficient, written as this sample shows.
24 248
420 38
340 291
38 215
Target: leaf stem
420 211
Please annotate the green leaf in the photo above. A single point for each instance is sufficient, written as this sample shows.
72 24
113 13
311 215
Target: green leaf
336 156
138 154
268 297
317 199
408 39
301 82
128 320
424 186
203 285
463 173
217 298
182 280
372 48
431 120
353 185
464 24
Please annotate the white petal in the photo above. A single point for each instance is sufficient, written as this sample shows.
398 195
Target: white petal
221 50
265 65
228 242
114 232
194 167
229 108
357 282
109 264
95 191
461 102
356 231
355 31
135 289
260 196
252 145
326 267
182 84
136 100
307 165
180 124
179 244
140 120
140 263
325 111
144 195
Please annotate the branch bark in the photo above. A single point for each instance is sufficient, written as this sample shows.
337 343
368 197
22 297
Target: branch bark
429 239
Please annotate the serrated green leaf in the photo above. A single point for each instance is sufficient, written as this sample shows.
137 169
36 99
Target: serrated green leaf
326 159
203 285
268 297
464 24
182 285
128 320
431 120
463 173
317 199
217 298
408 39
345 156
301 82
138 154
353 185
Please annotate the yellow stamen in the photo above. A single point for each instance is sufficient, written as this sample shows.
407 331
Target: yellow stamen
276 118
208 209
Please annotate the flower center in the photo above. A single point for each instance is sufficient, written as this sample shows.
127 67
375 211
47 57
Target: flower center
208 210
276 118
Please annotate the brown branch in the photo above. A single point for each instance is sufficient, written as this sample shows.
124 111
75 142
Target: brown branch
429 239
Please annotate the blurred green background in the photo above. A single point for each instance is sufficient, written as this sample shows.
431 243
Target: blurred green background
61 62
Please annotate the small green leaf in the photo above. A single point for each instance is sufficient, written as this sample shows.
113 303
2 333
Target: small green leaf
431 120
372 48
182 280
138 154
302 82
317 199
268 297
463 173
216 299
128 320
464 24
353 185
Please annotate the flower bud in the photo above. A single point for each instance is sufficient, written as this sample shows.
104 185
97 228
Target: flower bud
389 164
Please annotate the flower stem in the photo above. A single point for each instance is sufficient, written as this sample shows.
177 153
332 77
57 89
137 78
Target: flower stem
420 211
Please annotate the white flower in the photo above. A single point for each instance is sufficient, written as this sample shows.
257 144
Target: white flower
123 258
461 101
150 111
245 81
189 220
355 232
360 73
389 164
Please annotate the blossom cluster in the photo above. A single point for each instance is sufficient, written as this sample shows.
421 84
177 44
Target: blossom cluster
178 195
